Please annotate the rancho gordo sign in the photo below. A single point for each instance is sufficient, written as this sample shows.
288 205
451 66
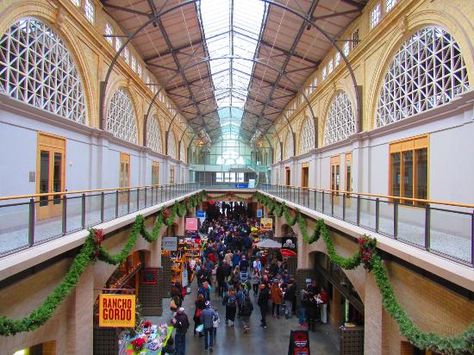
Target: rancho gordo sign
117 311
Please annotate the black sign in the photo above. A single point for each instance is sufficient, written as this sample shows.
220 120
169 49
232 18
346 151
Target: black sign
288 243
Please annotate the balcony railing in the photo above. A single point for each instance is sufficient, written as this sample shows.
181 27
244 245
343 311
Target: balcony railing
28 220
444 228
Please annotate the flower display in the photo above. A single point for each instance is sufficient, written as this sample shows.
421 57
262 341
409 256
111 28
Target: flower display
138 344
366 248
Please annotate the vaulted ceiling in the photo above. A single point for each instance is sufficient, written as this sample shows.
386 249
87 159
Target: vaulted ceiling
253 55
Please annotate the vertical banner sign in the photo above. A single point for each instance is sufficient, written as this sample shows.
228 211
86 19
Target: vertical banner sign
169 243
117 311
191 224
259 213
266 224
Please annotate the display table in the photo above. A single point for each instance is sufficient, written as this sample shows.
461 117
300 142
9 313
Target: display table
152 337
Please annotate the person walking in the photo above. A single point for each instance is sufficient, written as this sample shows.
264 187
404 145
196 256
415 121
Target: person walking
181 324
290 298
230 303
277 299
262 302
256 278
200 305
207 319
246 310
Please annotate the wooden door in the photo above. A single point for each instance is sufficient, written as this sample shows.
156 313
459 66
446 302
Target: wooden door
50 172
335 173
305 176
124 177
287 176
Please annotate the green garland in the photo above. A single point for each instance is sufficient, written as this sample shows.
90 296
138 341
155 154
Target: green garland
90 251
459 344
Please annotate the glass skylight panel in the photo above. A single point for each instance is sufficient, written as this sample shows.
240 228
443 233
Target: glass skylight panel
231 76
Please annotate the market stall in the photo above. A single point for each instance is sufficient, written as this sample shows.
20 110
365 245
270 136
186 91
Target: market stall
150 339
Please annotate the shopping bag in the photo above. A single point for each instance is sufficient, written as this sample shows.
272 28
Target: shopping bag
200 328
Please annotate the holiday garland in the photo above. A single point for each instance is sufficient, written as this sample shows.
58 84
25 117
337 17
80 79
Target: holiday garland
92 250
367 255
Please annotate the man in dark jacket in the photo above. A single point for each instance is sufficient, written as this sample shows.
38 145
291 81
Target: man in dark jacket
262 301
181 324
220 278
207 319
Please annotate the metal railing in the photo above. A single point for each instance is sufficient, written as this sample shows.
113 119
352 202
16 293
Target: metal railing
28 220
441 227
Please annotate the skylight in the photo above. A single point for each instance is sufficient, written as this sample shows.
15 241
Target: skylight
231 29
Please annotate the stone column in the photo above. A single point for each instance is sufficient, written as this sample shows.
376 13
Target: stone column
80 315
373 318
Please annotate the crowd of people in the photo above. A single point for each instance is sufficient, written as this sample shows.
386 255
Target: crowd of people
242 277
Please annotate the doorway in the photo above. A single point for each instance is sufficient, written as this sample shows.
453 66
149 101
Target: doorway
287 176
305 176
50 172
335 173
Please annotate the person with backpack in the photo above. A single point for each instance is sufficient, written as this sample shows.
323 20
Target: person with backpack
207 319
230 303
246 310
200 305
263 297
181 324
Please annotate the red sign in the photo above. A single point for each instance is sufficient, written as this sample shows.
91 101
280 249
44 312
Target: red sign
299 342
191 224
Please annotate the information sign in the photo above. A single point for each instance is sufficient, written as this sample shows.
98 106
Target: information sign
191 224
200 214
116 311
299 343
259 213
266 224
170 243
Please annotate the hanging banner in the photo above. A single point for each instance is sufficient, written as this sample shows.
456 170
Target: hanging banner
259 213
191 224
266 224
200 214
116 311
169 243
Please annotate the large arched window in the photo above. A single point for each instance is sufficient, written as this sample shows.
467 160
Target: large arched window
121 120
307 136
153 134
426 72
340 122
172 145
37 68
289 145
182 152
277 151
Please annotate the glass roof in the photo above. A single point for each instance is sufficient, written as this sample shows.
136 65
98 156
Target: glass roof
231 29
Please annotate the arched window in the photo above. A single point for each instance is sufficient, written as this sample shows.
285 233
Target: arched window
426 72
288 145
153 134
172 145
182 152
277 151
121 120
307 136
89 10
340 122
109 32
37 68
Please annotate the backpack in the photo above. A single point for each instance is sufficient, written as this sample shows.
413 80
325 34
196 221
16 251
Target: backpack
216 320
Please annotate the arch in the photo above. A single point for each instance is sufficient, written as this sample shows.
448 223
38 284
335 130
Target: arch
153 134
121 116
288 150
307 135
427 71
277 150
340 121
171 145
311 23
182 151
54 83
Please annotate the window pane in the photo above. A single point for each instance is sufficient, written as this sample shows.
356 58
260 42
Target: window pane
57 176
395 161
408 173
421 173
44 177
348 176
